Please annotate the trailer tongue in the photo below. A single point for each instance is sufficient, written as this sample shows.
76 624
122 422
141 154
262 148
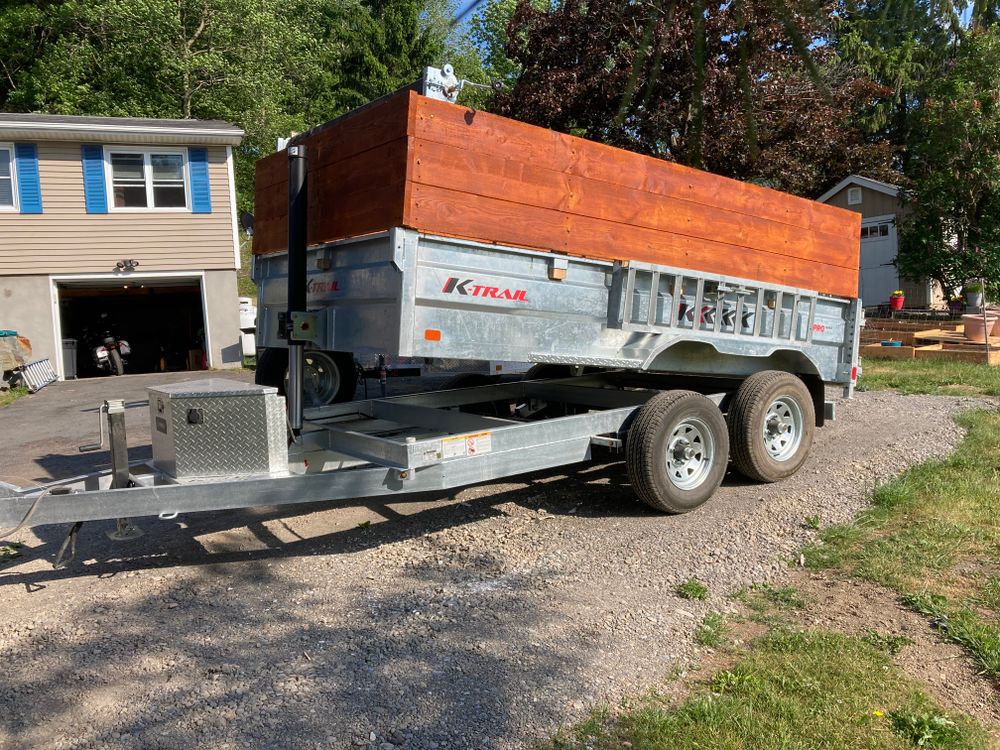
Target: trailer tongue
680 368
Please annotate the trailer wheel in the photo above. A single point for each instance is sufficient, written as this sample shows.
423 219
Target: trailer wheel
676 451
328 377
771 424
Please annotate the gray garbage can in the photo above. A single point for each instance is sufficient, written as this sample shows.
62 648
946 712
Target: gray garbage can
69 358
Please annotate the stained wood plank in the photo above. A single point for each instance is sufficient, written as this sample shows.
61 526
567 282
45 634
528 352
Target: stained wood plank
477 173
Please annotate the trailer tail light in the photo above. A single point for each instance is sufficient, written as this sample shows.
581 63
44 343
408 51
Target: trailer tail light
854 373
432 334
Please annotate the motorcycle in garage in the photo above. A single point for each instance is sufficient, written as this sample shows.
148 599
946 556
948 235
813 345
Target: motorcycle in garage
108 352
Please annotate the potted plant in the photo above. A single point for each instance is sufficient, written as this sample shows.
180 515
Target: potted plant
973 294
896 300
955 305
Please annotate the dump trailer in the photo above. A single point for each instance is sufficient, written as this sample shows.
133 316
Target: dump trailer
686 321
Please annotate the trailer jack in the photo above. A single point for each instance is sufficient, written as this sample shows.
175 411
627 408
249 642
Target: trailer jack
125 528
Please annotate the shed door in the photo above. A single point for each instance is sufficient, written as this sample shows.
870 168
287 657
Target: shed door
879 276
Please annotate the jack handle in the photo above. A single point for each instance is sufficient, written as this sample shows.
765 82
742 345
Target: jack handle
100 427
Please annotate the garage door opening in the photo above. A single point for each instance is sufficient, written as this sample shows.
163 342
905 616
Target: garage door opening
161 319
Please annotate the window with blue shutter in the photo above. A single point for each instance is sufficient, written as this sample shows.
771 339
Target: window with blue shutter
95 191
29 189
201 195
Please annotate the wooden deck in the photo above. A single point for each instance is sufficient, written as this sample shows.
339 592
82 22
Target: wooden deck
441 168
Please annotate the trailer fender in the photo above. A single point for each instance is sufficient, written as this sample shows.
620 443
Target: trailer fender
735 362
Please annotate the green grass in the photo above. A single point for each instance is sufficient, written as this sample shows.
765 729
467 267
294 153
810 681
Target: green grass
928 376
891 644
933 535
692 589
10 551
12 395
712 630
770 604
812 690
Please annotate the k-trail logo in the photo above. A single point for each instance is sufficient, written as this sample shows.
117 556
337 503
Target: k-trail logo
469 288
322 287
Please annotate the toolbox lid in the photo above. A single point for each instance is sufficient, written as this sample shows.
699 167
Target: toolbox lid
210 387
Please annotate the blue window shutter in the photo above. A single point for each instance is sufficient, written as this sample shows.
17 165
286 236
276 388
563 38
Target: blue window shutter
29 189
201 194
94 191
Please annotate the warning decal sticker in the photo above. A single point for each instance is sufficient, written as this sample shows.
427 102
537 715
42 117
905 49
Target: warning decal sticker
467 445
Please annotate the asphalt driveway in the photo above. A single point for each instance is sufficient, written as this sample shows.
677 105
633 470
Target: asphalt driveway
42 432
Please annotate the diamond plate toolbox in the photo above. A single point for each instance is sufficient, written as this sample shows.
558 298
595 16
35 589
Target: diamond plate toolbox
217 427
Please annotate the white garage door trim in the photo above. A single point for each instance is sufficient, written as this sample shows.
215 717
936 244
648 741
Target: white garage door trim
55 280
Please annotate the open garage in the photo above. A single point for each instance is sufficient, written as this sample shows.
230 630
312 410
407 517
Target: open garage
162 319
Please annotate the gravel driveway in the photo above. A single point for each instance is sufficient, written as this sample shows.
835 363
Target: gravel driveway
485 618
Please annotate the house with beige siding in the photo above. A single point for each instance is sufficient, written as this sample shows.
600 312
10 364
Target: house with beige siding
121 224
881 208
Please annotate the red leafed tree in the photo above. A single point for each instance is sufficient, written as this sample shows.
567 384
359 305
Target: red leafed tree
744 88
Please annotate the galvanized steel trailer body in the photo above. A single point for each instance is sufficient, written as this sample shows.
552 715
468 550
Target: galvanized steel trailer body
409 294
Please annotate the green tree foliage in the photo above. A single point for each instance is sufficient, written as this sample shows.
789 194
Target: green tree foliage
746 88
952 233
269 67
487 31
892 42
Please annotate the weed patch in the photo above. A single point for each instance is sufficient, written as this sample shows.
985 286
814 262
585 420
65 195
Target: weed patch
692 589
13 394
711 631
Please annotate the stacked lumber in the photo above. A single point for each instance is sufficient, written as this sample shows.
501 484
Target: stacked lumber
407 160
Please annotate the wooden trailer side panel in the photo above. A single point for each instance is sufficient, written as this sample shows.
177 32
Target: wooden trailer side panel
485 177
441 168
357 177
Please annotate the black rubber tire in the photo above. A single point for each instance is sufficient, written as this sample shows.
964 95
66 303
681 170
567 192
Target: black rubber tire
646 450
747 414
115 360
272 369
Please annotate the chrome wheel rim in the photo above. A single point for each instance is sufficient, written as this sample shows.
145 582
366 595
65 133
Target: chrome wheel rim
690 450
320 379
783 428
